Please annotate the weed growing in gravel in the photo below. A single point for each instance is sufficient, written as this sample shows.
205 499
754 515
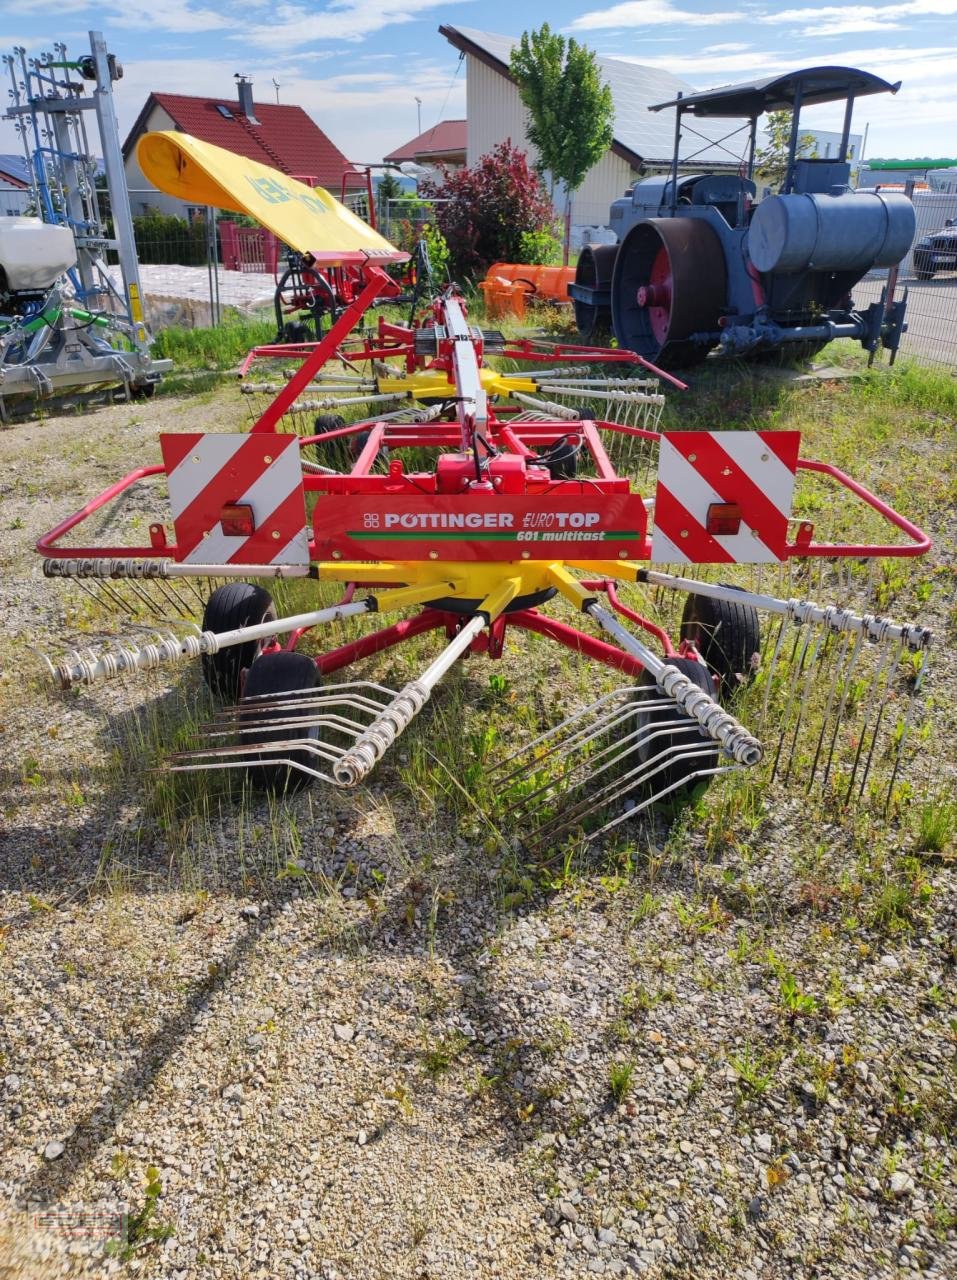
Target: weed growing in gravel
755 1069
142 1230
795 1002
937 825
902 900
620 1076
648 906
440 1057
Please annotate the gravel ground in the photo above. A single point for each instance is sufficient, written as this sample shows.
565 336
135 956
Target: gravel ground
344 1051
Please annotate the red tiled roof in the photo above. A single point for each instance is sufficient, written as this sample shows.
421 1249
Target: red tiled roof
285 137
445 138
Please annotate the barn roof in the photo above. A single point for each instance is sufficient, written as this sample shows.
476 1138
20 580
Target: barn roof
284 136
640 137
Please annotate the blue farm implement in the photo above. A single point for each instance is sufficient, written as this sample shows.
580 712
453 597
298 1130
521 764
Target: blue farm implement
702 264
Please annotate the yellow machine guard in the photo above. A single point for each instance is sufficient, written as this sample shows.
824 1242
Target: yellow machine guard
308 219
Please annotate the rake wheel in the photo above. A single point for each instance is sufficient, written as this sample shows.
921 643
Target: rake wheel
272 674
680 774
727 635
237 604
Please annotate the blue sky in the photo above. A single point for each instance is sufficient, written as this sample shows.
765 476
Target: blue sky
357 66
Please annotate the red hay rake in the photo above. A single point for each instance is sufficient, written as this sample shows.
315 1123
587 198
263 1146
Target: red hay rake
467 499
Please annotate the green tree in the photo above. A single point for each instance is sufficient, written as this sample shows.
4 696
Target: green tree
570 109
771 162
388 188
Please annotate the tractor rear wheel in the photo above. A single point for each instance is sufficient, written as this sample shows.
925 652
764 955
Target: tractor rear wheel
657 740
668 291
235 605
277 673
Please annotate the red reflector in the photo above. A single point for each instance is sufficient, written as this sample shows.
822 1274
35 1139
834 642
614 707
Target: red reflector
723 517
237 520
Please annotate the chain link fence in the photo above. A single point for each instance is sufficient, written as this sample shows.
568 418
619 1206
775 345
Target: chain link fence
929 275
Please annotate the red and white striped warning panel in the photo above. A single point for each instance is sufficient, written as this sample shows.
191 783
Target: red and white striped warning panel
724 497
236 499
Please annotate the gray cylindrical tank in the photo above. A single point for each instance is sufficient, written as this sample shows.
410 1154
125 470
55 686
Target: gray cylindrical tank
846 231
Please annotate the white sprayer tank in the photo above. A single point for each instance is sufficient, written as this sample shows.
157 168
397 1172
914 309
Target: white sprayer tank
34 253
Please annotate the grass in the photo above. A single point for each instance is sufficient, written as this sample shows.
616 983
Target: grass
620 1076
871 425
208 349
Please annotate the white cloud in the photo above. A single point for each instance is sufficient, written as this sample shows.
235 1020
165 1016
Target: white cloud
865 12
825 20
174 16
292 24
726 48
646 13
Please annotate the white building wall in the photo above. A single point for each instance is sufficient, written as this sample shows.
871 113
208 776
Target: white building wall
14 201
143 195
495 113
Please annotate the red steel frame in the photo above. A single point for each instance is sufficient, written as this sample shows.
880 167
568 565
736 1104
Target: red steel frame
397 342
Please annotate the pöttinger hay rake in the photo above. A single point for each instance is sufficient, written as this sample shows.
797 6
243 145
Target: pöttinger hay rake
469 512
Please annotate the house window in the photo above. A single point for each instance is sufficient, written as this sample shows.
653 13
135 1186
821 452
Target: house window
224 111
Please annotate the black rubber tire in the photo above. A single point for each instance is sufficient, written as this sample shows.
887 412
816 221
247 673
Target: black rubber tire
683 770
341 453
276 673
727 634
923 267
143 390
237 604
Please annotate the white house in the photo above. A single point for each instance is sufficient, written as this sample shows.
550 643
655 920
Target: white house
643 140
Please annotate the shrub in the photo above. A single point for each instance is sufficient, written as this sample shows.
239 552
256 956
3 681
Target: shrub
541 248
484 212
164 238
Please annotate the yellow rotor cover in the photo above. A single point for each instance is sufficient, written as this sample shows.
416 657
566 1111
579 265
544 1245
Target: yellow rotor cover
308 219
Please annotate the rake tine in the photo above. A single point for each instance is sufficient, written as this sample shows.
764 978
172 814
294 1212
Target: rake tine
808 672
110 593
832 689
641 805
875 684
905 729
772 668
587 763
880 717
620 787
845 694
555 730
795 679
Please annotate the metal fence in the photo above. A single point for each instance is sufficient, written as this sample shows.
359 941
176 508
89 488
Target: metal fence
929 275
193 277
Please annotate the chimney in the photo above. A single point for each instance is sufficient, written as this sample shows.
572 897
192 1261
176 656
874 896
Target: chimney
245 87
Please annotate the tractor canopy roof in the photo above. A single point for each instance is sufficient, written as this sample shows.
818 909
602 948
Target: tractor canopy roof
776 93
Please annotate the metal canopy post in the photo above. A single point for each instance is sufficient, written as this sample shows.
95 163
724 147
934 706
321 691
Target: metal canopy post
846 130
792 146
674 161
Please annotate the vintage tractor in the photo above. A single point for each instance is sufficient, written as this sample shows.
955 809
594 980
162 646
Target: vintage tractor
700 263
